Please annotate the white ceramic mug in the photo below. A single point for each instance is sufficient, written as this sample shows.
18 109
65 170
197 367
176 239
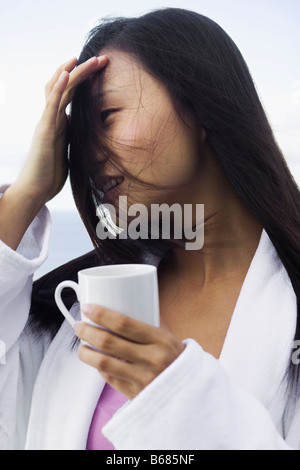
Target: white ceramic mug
131 289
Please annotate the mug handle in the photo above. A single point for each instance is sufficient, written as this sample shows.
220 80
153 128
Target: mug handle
60 303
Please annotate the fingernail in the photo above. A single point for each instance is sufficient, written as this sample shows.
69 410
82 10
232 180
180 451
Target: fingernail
87 309
91 59
63 75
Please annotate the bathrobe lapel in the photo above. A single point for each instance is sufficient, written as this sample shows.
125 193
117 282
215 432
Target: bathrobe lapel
66 393
259 340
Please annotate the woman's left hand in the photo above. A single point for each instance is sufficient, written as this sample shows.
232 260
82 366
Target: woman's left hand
133 356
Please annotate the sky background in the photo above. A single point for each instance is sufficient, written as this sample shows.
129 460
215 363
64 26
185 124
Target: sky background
36 36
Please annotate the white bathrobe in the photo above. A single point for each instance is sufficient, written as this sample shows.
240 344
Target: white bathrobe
48 395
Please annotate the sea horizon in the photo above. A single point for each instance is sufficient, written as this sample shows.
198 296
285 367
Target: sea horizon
68 240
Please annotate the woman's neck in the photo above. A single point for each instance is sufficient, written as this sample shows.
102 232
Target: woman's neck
229 246
231 232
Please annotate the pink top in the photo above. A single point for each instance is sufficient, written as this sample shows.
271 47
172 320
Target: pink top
109 402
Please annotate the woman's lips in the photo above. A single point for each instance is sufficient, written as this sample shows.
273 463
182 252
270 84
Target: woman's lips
111 193
111 183
107 183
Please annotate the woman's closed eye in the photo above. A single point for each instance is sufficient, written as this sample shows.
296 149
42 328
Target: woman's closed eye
106 113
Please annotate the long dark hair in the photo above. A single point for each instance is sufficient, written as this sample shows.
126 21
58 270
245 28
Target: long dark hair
205 74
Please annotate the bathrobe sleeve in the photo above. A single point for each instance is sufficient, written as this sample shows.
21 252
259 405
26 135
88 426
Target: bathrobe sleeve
18 352
194 405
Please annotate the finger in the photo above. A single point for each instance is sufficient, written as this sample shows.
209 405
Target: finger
123 376
122 325
80 74
67 66
52 106
111 372
107 365
109 343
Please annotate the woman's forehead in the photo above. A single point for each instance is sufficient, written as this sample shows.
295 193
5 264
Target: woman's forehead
124 74
120 72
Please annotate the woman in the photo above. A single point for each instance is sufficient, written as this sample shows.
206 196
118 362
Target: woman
164 106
